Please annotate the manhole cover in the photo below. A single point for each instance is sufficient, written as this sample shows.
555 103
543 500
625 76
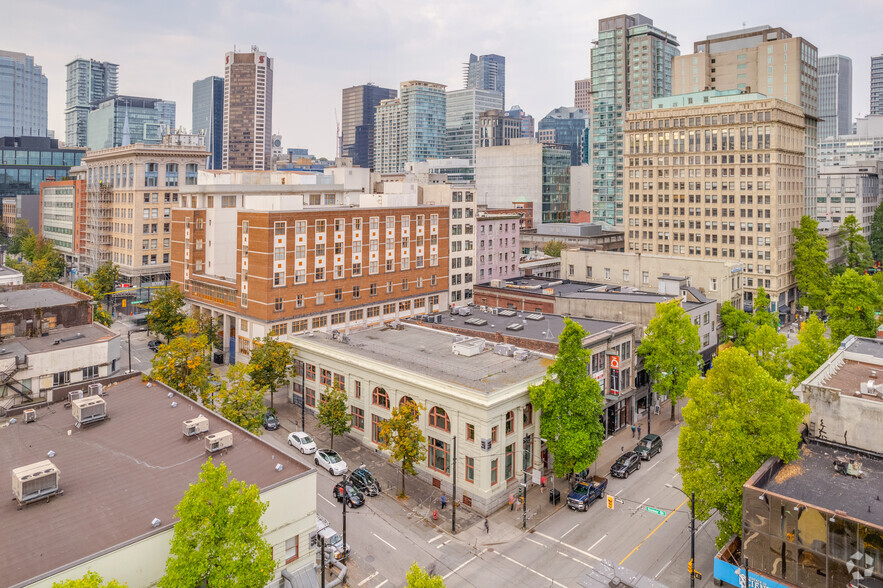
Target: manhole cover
369 558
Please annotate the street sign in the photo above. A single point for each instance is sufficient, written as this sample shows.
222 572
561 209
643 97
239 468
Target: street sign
655 511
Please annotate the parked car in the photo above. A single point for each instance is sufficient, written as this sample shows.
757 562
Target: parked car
331 461
649 446
627 463
354 498
364 481
585 493
154 344
302 441
270 422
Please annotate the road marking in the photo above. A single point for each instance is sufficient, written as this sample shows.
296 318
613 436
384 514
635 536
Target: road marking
577 549
382 584
620 492
579 561
597 542
440 545
663 569
458 568
369 578
653 531
387 542
548 579
571 529
326 500
532 541
436 538
654 465
643 503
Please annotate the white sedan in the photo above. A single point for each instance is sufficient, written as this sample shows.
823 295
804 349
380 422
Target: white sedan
331 461
302 441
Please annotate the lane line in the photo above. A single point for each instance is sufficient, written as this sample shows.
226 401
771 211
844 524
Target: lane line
653 531
537 542
620 492
643 503
382 584
369 578
548 579
459 567
579 561
571 529
328 501
440 545
387 542
436 538
595 544
654 465
577 549
663 569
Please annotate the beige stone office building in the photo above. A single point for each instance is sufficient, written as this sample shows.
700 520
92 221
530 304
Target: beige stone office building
719 176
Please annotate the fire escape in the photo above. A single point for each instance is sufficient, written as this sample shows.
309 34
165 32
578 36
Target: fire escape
99 225
20 395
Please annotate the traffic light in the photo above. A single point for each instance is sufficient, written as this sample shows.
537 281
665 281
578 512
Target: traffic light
610 500
690 567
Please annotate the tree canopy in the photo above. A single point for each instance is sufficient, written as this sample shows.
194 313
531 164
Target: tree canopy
769 348
875 239
553 248
571 404
738 416
272 362
218 540
40 261
182 364
97 285
737 324
90 580
417 577
762 314
811 351
165 315
811 263
854 246
401 435
239 400
853 301
334 412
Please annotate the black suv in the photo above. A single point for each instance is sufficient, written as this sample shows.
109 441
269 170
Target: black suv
649 446
270 422
364 481
627 463
354 498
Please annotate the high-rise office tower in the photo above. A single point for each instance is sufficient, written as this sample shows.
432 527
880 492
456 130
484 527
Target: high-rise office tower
248 110
357 121
126 120
166 110
23 89
486 72
208 115
631 65
88 83
835 96
766 60
877 84
582 94
527 121
496 128
464 108
411 127
568 125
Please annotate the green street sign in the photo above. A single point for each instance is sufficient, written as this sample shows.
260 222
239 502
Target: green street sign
655 511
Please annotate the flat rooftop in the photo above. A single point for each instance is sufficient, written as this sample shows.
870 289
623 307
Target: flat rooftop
811 479
584 290
117 475
8 271
19 299
67 338
849 376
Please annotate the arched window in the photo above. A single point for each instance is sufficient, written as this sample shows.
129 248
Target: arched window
438 418
528 414
380 398
510 422
406 400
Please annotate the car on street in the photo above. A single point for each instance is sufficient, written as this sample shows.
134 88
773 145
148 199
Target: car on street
270 422
649 446
364 481
154 344
303 442
627 463
585 493
331 461
354 498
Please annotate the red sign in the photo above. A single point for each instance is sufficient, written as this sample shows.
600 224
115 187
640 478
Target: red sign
614 362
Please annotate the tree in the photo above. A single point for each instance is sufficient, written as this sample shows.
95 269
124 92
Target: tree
182 364
417 577
875 240
90 580
811 351
400 434
239 400
853 245
97 285
852 305
762 314
165 315
333 413
811 263
40 263
737 323
553 248
738 416
272 360
571 405
671 351
20 232
218 540
769 348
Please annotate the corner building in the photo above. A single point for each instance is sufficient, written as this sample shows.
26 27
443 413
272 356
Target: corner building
719 176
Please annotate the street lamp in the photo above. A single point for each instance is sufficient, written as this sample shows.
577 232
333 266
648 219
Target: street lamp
692 533
129 344
346 495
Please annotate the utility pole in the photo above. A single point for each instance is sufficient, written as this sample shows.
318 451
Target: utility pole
303 392
692 539
454 497
129 344
524 503
345 498
322 548
649 398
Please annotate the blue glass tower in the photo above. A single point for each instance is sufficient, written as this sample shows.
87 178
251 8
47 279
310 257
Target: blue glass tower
208 115
23 88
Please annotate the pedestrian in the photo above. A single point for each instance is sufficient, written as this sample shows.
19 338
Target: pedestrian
657 406
639 431
444 501
487 527
511 502
543 484
633 431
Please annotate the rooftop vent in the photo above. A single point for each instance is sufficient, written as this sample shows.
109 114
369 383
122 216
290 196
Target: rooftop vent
218 441
534 317
193 427
515 327
476 322
89 410
506 312
35 482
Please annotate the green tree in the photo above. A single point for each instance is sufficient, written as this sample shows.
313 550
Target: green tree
762 314
20 232
218 540
239 400
553 248
811 351
400 434
40 262
165 315
571 404
209 327
97 285
854 246
272 360
333 412
90 580
738 416
769 348
811 263
417 577
852 304
670 349
182 364
875 240
737 323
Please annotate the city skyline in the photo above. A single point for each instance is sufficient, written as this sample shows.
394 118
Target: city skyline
426 43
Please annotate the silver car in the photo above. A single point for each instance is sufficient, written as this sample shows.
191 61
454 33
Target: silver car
303 442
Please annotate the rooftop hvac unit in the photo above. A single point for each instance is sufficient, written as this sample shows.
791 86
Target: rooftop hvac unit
74 395
96 389
88 410
35 482
195 426
30 415
522 354
218 441
436 318
504 349
468 347
463 310
496 283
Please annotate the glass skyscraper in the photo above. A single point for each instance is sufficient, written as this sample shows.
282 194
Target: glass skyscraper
835 96
411 127
569 125
23 89
631 65
464 108
877 84
486 72
88 83
126 120
27 161
208 115
359 104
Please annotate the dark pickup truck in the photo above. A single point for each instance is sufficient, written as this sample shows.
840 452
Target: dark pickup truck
585 493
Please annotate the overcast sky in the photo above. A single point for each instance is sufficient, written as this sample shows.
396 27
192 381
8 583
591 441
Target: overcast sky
321 47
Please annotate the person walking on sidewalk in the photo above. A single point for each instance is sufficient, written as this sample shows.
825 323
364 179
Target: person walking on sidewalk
487 527
511 502
639 431
633 431
444 501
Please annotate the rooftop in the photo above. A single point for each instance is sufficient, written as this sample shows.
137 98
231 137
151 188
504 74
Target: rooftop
151 462
592 291
57 339
8 271
34 297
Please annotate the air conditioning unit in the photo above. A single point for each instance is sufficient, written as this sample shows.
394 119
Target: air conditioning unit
35 482
522 354
218 441
30 415
74 395
89 410
485 444
195 426
96 389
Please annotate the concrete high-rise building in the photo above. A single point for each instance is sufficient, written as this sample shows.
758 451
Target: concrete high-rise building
568 125
463 111
877 84
486 72
527 122
850 189
248 110
865 142
496 128
747 152
208 116
23 97
766 60
411 127
358 108
631 65
582 94
88 83
62 218
835 96
126 120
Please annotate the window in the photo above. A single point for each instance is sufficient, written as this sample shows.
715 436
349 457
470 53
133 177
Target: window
311 397
358 386
438 418
510 422
311 372
494 477
470 432
510 461
357 418
356 292
325 377
61 378
90 372
299 326
470 469
494 434
280 329
338 318
278 305
228 201
527 415
340 381
244 345
320 322
376 426
279 228
438 455
380 398
338 294
292 551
